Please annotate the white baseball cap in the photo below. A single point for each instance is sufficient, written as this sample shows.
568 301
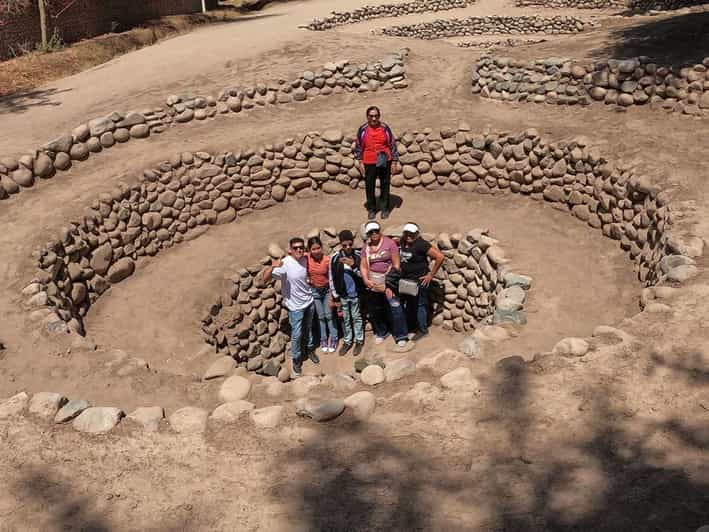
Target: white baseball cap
411 228
371 226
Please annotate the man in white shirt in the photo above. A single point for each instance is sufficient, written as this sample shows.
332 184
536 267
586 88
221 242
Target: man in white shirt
298 299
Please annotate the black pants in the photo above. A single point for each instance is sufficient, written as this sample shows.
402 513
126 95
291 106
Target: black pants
371 174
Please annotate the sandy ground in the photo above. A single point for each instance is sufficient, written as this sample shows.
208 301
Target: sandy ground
614 441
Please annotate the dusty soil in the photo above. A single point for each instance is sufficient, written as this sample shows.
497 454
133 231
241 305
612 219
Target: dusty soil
20 75
616 440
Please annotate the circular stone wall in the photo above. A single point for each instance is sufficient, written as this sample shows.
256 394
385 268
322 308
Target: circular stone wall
385 10
474 286
626 82
442 28
180 198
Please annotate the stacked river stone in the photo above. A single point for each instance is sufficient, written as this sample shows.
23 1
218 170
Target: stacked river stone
576 4
119 127
661 5
338 18
249 323
439 29
499 44
185 195
626 82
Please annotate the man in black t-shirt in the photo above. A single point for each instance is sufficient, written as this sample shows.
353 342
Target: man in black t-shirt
415 253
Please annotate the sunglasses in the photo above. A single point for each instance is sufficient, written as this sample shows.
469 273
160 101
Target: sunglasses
298 248
372 116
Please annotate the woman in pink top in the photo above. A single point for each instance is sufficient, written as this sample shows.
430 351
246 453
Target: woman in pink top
380 256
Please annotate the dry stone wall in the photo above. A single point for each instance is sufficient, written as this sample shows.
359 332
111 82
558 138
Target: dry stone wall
103 133
627 82
249 323
575 4
442 28
185 195
661 5
503 43
340 18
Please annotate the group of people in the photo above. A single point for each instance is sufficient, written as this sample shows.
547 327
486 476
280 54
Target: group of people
386 282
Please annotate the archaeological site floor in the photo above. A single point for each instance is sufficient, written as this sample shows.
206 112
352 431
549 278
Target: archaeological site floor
144 375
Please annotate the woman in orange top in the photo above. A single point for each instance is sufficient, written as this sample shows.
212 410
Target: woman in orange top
319 274
375 150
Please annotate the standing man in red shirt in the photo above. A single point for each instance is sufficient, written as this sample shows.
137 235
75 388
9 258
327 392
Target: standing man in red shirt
378 158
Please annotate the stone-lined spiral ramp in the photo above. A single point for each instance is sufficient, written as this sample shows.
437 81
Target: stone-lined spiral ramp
183 196
370 12
614 82
102 133
483 25
132 223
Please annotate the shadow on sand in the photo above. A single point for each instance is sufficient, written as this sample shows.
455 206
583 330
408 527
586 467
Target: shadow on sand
613 477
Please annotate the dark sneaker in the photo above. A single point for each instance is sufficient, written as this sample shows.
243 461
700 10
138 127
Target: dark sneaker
358 349
385 214
345 348
315 359
297 371
371 215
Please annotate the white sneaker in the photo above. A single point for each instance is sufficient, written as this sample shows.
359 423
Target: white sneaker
380 339
401 343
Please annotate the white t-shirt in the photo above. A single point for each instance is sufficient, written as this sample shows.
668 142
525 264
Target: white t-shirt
296 289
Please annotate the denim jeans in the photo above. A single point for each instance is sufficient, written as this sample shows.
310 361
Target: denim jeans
384 311
301 324
321 297
352 323
416 309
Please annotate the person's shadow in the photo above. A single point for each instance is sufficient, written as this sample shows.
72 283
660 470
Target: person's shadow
395 202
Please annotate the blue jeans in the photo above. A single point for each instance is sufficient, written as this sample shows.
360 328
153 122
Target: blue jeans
416 308
301 324
321 298
352 319
384 311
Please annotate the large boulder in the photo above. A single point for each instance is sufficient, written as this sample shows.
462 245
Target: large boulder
70 410
460 379
101 258
231 412
121 269
222 366
362 404
235 388
574 347
372 375
149 417
14 406
398 369
319 409
98 419
189 420
268 417
442 362
46 404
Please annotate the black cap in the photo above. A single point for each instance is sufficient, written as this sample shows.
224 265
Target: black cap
345 234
